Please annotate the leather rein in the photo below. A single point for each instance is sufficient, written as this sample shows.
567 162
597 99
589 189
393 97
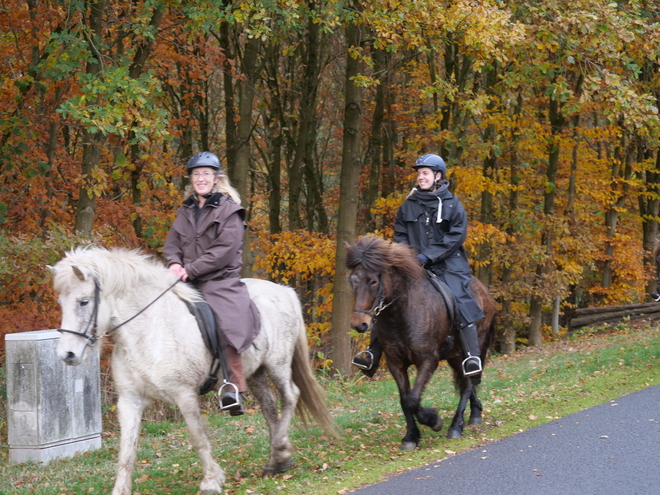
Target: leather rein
92 336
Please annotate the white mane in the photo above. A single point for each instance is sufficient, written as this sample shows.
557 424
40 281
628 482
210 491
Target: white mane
119 271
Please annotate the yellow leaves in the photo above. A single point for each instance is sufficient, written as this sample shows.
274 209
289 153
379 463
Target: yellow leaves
287 255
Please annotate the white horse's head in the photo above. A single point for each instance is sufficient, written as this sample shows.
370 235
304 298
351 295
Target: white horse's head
84 313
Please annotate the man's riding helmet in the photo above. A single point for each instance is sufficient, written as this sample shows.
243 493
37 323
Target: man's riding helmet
204 159
434 162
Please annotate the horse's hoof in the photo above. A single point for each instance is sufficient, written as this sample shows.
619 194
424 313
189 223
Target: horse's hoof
277 469
408 445
209 492
438 424
454 433
476 421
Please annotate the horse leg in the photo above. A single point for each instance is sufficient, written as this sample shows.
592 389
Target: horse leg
475 408
409 407
280 448
214 476
289 395
426 415
129 413
466 390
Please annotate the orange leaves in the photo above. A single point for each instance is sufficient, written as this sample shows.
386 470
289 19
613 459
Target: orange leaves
288 255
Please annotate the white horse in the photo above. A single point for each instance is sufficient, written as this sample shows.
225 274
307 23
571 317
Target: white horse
160 354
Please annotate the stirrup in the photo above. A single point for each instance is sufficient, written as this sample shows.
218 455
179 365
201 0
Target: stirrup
473 372
222 392
369 355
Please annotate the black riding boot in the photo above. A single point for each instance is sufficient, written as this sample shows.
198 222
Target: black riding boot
470 340
369 360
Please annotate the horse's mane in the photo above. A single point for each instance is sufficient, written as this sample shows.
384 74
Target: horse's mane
378 255
119 271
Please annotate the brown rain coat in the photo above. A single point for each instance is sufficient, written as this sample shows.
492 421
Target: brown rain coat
211 251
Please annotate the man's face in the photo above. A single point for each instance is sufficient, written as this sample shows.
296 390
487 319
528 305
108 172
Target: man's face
426 177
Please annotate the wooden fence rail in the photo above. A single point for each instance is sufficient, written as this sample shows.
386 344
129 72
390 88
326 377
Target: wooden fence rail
610 314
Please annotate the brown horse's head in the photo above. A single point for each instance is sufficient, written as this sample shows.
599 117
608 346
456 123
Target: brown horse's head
379 271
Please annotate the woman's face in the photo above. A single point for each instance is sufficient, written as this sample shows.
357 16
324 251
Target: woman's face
203 180
426 178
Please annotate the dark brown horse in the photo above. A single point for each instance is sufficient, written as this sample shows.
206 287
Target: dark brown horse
394 294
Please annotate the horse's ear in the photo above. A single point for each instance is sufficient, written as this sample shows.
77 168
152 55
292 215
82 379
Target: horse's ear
78 272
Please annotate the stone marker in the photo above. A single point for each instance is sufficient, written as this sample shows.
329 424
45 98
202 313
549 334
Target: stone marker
53 410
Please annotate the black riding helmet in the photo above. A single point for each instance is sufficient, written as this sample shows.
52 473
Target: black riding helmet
204 159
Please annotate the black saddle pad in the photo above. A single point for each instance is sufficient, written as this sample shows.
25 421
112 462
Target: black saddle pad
446 294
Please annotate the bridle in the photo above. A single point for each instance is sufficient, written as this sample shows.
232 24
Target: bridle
92 336
379 304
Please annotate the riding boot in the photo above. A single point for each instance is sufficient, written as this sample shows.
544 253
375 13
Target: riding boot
234 383
470 340
369 360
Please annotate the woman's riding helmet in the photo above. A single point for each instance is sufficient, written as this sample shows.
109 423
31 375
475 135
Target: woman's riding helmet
204 159
434 162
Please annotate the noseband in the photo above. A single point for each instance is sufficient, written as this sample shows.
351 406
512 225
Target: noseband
379 304
92 336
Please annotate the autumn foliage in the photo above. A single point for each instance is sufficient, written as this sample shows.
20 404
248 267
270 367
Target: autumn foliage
546 113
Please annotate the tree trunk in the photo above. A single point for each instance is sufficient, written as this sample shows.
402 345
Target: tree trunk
648 210
348 207
141 55
509 336
485 270
376 144
621 168
239 173
307 121
557 123
228 87
535 313
84 218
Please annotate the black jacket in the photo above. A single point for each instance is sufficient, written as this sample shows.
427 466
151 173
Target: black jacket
440 241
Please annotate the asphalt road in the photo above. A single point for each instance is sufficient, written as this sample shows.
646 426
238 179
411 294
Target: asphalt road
610 449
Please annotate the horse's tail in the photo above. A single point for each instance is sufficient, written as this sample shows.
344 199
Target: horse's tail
312 396
489 343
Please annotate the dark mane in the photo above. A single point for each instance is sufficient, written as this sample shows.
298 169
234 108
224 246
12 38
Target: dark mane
378 255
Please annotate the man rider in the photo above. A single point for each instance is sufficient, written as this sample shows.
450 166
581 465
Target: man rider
434 223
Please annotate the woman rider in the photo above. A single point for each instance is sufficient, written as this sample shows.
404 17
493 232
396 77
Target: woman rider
204 246
434 223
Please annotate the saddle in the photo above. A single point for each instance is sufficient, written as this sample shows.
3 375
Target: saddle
450 302
209 329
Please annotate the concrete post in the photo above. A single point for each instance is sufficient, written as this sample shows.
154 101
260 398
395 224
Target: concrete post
53 410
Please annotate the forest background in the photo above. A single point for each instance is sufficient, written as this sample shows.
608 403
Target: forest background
545 111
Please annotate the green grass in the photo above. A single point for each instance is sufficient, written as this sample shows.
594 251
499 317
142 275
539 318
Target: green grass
519 391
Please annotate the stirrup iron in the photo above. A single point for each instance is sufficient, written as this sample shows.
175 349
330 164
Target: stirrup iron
474 372
369 355
233 388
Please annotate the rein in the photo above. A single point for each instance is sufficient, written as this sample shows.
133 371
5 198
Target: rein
93 337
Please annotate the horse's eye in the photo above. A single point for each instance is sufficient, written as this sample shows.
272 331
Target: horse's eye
373 282
84 302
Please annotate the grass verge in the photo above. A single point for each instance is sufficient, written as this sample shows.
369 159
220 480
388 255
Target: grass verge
519 391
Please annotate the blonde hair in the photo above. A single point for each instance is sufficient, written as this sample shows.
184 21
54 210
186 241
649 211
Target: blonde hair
222 186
